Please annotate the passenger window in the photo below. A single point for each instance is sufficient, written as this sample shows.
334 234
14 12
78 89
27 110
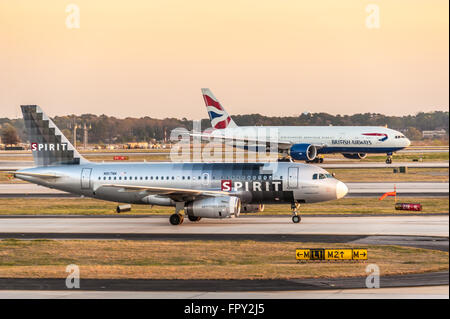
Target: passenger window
314 176
188 177
182 177
120 178
173 177
156 177
125 178
321 176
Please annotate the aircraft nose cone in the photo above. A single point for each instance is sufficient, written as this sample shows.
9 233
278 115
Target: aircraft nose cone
341 190
408 142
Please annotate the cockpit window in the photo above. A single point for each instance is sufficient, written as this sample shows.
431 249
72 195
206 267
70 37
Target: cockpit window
322 176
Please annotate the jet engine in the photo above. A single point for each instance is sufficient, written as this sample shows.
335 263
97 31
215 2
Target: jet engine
214 207
355 155
303 152
252 208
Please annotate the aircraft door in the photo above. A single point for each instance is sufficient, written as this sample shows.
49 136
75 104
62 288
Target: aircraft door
293 177
86 178
205 179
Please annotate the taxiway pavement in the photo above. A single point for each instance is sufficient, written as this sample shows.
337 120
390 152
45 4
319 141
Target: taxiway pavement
379 225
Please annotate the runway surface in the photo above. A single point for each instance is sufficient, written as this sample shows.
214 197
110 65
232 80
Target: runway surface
431 292
355 189
401 225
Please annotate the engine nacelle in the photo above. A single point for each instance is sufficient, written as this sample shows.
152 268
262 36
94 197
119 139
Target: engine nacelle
252 208
355 155
303 152
214 207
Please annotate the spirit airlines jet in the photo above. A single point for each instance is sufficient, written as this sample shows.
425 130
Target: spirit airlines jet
304 143
210 190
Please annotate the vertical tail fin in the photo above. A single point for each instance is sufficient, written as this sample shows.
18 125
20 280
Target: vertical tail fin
48 145
217 114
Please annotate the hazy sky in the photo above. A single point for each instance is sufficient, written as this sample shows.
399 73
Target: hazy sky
151 57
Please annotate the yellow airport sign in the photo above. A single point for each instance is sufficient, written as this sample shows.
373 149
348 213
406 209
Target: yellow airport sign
338 254
302 254
359 254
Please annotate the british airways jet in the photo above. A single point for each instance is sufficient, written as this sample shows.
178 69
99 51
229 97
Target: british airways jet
201 190
304 143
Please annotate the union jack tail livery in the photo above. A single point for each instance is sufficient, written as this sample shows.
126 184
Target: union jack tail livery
217 114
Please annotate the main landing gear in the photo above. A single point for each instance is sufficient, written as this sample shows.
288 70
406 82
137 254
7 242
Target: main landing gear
318 159
285 159
296 218
389 158
176 219
194 218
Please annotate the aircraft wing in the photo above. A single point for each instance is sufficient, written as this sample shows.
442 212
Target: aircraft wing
177 194
242 141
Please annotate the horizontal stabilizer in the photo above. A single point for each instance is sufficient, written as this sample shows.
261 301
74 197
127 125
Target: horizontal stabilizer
39 175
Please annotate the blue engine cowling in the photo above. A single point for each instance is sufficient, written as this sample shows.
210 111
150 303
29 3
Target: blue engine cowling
354 155
303 152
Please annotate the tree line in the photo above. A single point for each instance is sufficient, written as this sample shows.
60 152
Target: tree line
105 129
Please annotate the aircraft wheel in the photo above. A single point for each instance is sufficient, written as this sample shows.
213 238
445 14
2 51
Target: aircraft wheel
321 160
388 160
296 219
194 218
176 219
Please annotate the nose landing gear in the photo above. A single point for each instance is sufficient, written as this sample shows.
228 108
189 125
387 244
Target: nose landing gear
389 158
296 218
